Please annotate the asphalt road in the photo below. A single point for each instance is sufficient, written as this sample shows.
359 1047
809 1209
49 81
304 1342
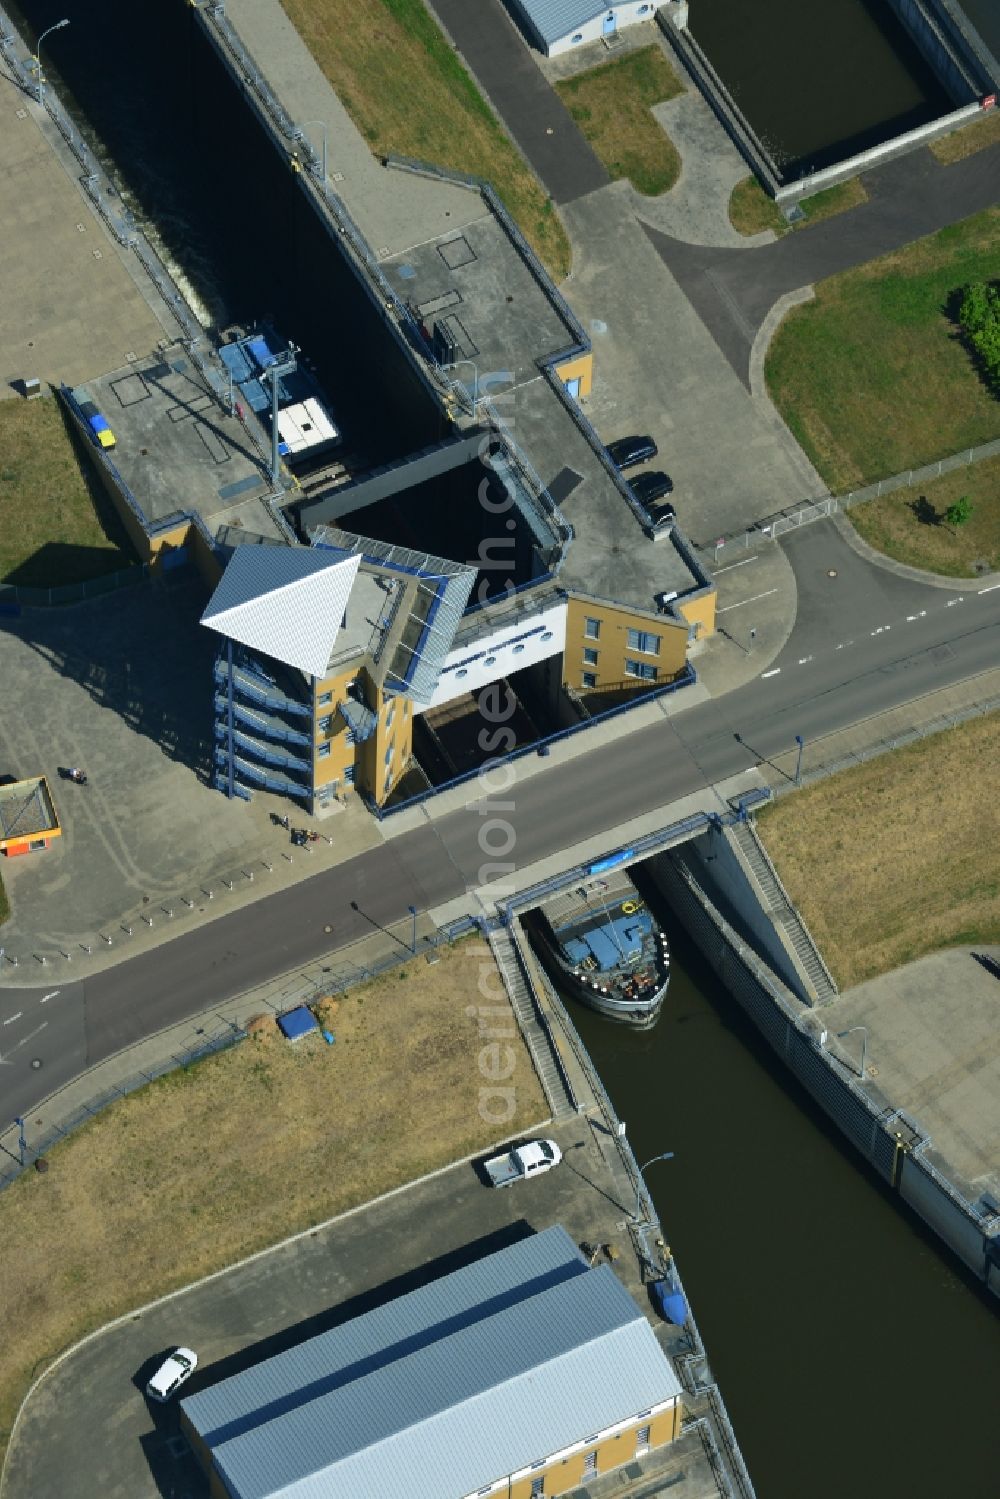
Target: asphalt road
865 640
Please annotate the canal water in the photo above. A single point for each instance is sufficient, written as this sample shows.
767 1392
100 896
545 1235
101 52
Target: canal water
855 1356
818 82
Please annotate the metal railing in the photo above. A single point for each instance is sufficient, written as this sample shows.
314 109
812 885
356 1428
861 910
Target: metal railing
771 527
18 1159
15 595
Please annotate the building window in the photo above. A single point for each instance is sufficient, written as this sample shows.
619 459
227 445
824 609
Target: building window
388 754
463 671
537 1486
577 37
641 640
592 628
642 1441
324 698
546 635
590 1465
390 715
349 737
590 656
518 649
641 669
643 10
325 723
490 661
589 679
349 776
323 752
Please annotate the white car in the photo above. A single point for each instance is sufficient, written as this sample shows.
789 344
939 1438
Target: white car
172 1373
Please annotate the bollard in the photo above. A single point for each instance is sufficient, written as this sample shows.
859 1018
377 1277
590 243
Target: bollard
228 884
85 947
210 894
41 959
267 866
147 919
248 874
126 929
166 910
106 939
188 903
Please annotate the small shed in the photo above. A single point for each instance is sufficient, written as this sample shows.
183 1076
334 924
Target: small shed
297 1022
556 26
28 818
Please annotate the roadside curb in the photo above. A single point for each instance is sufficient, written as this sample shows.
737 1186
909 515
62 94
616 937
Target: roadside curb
864 550
136 1312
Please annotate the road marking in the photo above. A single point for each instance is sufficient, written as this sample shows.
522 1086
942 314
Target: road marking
24 1039
775 673
804 659
728 569
843 645
45 999
756 596
881 630
911 617
12 1018
991 588
959 600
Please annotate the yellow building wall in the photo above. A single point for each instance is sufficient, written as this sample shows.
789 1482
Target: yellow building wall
701 612
612 645
581 368
392 737
342 754
567 1473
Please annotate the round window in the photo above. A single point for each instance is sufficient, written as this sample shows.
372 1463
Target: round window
547 635
518 649
462 672
490 661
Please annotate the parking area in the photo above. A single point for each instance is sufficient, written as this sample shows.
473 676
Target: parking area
89 1430
122 686
658 370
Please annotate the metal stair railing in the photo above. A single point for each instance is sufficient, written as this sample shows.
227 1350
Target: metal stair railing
783 911
529 1019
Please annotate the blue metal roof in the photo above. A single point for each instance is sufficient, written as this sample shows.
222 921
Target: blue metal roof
440 1392
553 19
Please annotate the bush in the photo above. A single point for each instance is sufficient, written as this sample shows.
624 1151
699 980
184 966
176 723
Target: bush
979 316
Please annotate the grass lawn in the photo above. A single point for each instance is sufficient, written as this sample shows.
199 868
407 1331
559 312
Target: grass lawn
612 105
751 209
52 529
408 92
4 904
894 858
970 139
871 377
244 1149
910 524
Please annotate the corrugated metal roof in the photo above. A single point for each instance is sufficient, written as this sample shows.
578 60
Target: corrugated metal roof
472 1377
553 19
286 601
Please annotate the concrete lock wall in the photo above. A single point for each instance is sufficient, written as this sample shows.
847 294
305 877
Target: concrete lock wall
945 50
777 1016
716 864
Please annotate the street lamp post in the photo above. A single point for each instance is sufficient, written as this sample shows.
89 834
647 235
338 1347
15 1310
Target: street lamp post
864 1044
38 52
322 126
413 943
667 1155
798 769
22 1144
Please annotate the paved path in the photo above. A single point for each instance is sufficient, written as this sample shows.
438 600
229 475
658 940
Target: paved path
733 290
530 108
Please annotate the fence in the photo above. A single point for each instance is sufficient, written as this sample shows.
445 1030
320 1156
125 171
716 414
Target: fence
21 1155
14 595
910 735
789 519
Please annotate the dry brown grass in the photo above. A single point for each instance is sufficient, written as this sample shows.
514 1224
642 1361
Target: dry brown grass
407 91
210 1164
612 104
896 858
752 210
910 523
970 139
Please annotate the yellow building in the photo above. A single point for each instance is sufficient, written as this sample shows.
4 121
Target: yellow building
526 1373
28 818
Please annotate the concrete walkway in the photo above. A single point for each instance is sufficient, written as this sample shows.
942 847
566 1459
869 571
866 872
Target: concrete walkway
498 57
733 291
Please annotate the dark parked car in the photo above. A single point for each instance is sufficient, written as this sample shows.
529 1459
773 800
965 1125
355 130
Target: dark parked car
661 515
626 452
651 486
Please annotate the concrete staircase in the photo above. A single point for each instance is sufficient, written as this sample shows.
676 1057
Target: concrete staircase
530 1022
785 917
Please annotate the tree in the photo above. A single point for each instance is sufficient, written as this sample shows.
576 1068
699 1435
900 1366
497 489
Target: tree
979 316
958 513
